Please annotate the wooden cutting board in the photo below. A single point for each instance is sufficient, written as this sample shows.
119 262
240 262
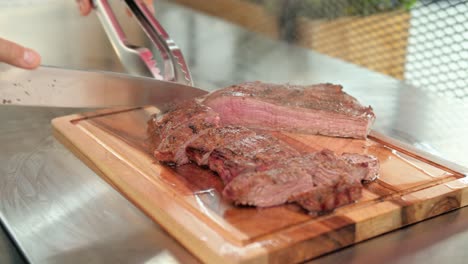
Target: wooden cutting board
186 201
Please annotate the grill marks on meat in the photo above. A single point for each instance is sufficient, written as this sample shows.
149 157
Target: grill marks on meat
253 153
338 182
316 109
319 182
268 187
173 131
200 149
224 131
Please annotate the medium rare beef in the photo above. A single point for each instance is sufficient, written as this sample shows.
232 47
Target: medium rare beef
251 153
318 182
162 124
229 132
316 109
171 132
366 161
200 149
270 187
338 183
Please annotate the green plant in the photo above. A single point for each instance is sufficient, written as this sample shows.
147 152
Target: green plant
369 7
335 8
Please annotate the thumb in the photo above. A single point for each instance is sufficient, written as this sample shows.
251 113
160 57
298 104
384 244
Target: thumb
17 55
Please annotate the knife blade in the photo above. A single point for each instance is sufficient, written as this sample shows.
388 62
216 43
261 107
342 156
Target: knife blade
58 87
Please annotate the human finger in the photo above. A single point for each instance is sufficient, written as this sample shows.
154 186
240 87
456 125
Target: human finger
17 55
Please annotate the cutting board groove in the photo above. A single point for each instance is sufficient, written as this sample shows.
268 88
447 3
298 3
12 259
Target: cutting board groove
186 201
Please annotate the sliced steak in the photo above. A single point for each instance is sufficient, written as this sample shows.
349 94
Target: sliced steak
200 149
251 153
338 183
367 161
316 109
163 124
327 198
171 132
229 131
318 182
269 187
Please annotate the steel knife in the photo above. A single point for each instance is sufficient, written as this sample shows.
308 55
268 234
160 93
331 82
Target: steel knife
58 87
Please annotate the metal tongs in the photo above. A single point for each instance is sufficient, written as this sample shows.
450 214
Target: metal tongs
140 60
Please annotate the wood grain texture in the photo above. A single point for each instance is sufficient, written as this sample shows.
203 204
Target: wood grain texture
187 201
246 14
377 42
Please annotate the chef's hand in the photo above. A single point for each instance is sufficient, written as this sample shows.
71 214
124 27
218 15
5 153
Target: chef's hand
86 6
17 55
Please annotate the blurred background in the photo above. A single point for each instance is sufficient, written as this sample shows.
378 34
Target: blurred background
424 42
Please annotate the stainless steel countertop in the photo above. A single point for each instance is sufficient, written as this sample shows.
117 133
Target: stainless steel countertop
59 211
